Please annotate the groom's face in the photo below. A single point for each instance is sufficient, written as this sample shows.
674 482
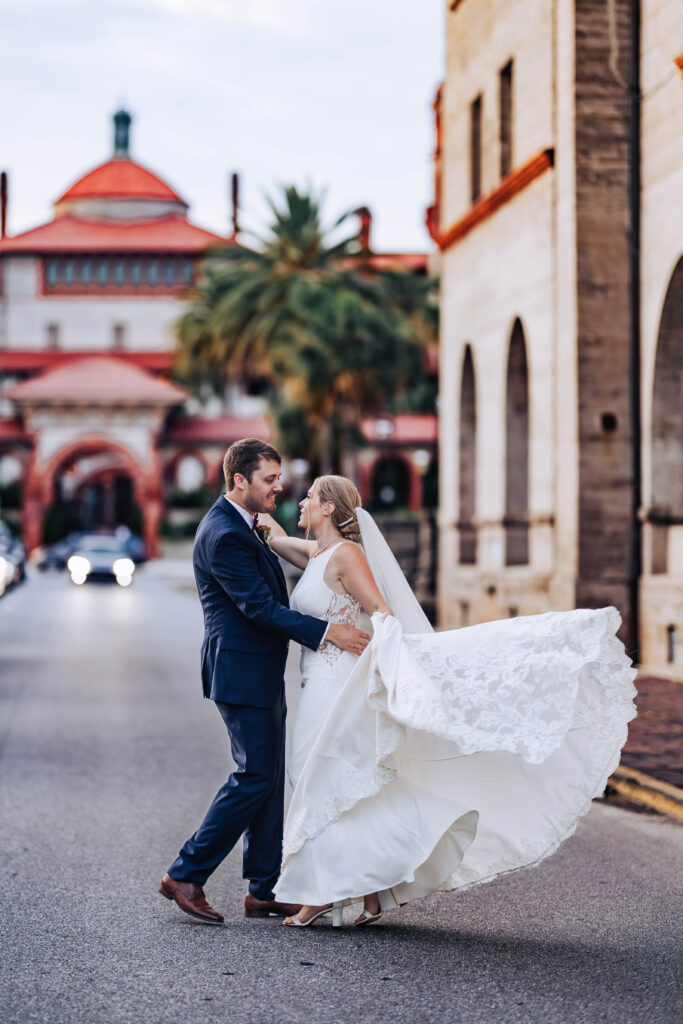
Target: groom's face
260 493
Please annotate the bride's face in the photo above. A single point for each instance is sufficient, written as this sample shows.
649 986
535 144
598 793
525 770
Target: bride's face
312 515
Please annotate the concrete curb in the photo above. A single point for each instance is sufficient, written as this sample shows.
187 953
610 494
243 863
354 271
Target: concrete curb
646 791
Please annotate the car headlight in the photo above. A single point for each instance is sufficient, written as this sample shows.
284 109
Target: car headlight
78 565
124 567
8 570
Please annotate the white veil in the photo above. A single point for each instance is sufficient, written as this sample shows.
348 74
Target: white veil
389 577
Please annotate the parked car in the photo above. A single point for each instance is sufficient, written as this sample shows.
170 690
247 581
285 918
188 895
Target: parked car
12 559
101 557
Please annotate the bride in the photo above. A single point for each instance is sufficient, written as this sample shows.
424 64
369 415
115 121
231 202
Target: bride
434 760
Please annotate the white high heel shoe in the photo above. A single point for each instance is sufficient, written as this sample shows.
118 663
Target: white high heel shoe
336 910
367 918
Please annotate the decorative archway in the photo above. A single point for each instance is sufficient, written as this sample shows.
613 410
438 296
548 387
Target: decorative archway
467 462
40 485
173 464
517 451
667 423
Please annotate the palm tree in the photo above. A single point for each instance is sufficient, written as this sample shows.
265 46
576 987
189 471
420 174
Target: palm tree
305 310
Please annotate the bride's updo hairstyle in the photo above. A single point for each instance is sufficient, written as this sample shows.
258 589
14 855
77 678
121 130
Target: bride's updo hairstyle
344 495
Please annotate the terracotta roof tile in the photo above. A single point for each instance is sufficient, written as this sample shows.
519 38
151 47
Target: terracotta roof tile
222 430
120 178
406 428
73 234
97 379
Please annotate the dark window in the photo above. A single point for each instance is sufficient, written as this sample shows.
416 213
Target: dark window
506 119
475 149
169 273
53 335
517 452
69 275
118 336
467 462
153 272
119 272
136 272
52 272
187 271
671 644
85 272
102 273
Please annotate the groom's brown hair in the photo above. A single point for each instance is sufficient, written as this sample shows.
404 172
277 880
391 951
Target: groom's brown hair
244 456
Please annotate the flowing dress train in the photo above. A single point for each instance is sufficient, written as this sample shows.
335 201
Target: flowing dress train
442 760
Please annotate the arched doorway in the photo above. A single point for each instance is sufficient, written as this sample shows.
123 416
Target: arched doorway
667 423
390 483
517 452
91 492
90 484
467 462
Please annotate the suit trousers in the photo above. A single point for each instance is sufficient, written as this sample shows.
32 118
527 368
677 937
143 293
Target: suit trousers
251 803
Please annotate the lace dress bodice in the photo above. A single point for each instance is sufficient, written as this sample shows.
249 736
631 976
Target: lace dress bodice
312 596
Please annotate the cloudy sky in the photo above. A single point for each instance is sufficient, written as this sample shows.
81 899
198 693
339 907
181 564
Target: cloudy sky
332 93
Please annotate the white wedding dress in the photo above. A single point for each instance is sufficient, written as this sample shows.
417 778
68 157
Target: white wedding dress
441 760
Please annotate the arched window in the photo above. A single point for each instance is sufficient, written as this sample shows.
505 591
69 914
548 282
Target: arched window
467 462
667 423
517 452
390 483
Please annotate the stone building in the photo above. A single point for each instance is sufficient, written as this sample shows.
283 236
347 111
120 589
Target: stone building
92 432
558 212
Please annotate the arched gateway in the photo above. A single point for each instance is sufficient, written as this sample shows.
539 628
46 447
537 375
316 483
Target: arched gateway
94 421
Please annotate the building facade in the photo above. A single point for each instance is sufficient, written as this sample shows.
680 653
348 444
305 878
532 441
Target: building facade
558 215
92 431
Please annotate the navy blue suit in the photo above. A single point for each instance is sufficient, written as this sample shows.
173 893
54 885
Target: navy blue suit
247 628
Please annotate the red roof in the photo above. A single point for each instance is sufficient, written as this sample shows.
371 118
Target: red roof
120 178
101 379
405 428
73 234
399 260
222 430
32 360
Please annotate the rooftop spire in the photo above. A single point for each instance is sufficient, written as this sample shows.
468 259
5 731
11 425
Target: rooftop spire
122 121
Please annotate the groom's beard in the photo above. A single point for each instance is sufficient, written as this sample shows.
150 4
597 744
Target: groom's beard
260 503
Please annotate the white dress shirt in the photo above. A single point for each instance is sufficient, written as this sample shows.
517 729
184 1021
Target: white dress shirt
249 520
245 513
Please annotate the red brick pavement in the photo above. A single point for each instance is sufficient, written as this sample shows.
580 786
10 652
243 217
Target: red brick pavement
655 737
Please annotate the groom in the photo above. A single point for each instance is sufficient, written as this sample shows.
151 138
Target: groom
247 627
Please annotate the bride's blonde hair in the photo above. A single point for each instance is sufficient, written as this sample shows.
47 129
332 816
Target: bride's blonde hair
345 497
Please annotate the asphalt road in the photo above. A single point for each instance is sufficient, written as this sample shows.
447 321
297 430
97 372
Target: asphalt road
108 759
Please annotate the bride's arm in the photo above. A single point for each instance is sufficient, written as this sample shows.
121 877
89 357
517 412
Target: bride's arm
351 569
292 549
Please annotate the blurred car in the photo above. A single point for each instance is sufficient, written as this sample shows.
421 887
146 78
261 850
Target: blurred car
101 557
57 555
12 559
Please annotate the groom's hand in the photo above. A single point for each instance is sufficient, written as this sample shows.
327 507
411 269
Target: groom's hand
348 638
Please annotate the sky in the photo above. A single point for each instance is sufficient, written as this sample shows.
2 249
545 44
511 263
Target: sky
330 94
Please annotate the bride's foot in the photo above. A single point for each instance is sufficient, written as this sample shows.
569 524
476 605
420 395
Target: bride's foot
371 910
307 915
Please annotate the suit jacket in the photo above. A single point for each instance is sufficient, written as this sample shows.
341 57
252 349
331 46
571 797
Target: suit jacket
247 619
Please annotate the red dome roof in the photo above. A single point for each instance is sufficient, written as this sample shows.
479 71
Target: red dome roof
120 178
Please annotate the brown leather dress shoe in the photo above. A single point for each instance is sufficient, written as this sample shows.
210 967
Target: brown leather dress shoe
190 897
254 907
